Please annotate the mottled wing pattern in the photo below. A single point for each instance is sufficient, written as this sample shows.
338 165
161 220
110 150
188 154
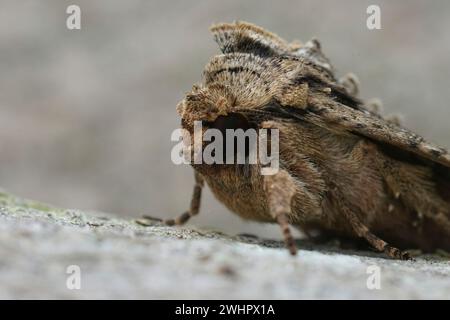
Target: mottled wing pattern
245 37
328 104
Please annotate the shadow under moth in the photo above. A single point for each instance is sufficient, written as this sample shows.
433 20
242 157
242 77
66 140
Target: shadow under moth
344 169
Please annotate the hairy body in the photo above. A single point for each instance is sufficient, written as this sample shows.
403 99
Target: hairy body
344 169
351 172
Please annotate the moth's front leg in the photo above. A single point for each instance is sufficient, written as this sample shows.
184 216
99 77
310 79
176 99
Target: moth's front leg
195 203
194 208
280 189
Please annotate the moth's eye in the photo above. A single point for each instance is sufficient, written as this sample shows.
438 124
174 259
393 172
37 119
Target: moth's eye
232 121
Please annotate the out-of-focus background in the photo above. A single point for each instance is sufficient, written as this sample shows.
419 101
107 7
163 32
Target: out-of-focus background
86 115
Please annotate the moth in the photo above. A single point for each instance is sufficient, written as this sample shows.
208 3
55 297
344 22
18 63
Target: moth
344 171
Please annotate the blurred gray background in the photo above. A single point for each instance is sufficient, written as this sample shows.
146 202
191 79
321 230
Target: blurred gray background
86 116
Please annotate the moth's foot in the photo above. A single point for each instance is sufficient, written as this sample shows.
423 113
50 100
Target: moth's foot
397 253
178 221
289 240
147 220
291 246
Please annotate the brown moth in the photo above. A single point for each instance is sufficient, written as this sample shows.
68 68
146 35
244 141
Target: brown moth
345 171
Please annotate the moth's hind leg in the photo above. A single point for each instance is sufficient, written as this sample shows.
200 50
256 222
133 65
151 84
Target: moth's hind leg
194 207
361 230
280 190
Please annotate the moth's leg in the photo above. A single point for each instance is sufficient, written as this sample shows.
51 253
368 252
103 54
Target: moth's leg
194 207
351 83
280 189
195 203
363 231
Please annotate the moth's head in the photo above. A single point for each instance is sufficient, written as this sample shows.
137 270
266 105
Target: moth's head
255 69
205 104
